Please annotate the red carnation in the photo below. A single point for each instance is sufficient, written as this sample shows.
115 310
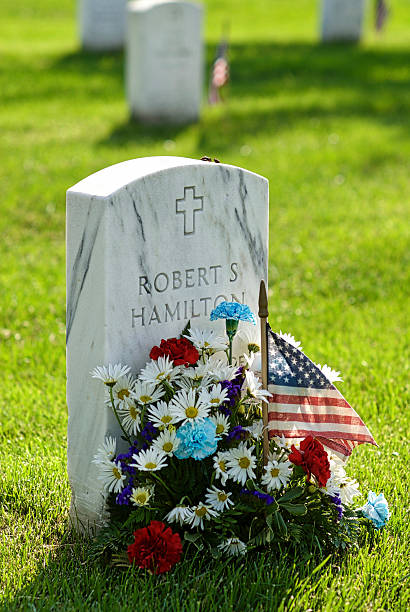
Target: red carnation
155 548
312 457
180 350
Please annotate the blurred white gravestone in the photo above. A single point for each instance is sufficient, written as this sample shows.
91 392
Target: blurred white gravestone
102 24
342 20
151 244
164 60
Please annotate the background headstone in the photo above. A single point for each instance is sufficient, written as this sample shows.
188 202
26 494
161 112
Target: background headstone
342 20
164 60
151 244
102 24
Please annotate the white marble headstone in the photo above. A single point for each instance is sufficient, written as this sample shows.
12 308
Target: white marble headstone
151 244
342 20
164 60
101 24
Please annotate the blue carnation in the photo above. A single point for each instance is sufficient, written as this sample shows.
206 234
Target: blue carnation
197 440
233 310
376 509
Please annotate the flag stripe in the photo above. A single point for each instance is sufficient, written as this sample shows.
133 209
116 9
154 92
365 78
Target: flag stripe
342 419
312 400
299 408
275 429
339 446
306 391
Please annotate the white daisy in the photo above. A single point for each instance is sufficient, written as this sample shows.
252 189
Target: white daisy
200 513
160 369
218 499
160 415
112 477
276 474
110 375
221 424
331 375
146 393
248 339
150 460
130 417
285 443
337 468
221 371
252 388
240 463
200 375
187 408
204 339
106 452
220 460
256 429
167 442
233 547
179 514
253 361
213 397
349 488
121 391
140 496
332 487
290 340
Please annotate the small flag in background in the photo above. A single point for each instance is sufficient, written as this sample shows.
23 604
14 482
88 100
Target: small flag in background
305 403
220 73
382 12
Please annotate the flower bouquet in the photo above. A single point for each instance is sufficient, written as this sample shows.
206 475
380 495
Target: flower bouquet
195 475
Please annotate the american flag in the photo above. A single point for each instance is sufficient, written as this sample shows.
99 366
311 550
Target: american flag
219 74
305 403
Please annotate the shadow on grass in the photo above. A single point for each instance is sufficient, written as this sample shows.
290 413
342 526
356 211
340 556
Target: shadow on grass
279 86
73 580
274 87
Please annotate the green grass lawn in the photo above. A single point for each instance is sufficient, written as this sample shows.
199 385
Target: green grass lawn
329 127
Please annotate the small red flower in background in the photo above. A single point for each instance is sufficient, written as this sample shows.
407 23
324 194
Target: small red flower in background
313 458
155 548
180 350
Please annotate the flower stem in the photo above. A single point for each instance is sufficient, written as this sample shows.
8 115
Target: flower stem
163 484
231 329
118 418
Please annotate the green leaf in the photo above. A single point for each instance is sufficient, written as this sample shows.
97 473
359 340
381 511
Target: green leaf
192 537
293 493
280 524
297 509
186 329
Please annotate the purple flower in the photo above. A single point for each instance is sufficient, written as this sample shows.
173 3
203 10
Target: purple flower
125 458
268 499
339 506
123 498
149 432
233 388
225 410
238 433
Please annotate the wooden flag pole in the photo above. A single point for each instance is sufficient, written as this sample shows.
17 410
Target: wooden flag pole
263 315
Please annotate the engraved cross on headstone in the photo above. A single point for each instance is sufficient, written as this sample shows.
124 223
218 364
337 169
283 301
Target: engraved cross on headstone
189 205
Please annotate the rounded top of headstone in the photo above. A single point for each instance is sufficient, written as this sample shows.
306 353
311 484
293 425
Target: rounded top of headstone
113 178
146 5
